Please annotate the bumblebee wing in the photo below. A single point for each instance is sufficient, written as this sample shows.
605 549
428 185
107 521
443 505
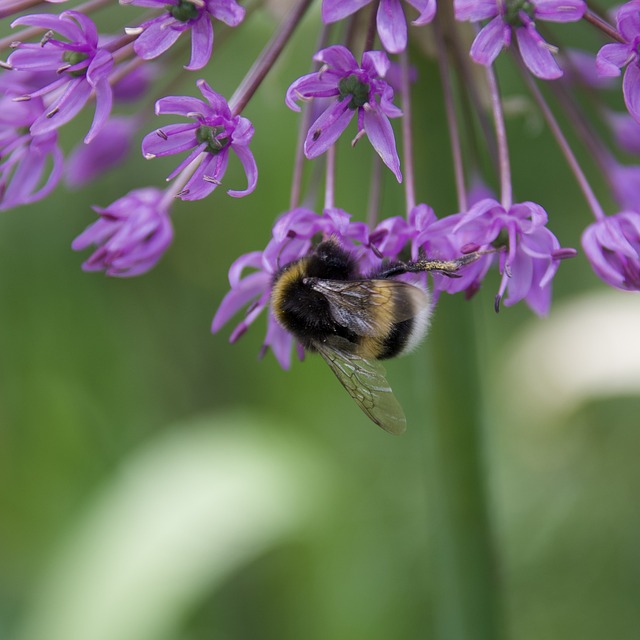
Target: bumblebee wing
370 307
365 382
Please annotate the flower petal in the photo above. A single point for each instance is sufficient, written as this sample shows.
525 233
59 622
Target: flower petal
334 10
427 9
612 57
227 11
104 102
559 10
475 10
380 134
68 105
46 21
201 43
337 57
250 169
631 90
536 54
327 128
171 139
312 85
181 106
157 37
490 41
392 25
238 296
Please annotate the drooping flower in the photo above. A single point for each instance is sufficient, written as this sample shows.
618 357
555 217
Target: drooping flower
391 21
131 234
291 240
30 164
533 253
160 33
81 65
613 248
613 57
213 131
625 129
625 184
517 17
106 151
448 239
358 89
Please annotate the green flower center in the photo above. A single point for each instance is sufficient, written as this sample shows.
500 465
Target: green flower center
209 135
359 91
513 10
73 58
184 11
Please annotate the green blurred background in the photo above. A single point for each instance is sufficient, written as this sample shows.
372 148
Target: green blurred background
159 483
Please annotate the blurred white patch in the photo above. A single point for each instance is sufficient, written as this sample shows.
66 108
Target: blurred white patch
588 348
173 522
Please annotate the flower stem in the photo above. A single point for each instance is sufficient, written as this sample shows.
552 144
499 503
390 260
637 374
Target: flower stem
267 58
176 186
375 184
329 183
506 195
407 145
465 576
600 23
570 157
452 123
371 27
298 163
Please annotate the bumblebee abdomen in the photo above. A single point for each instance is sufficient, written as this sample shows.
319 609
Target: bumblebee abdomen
396 340
405 335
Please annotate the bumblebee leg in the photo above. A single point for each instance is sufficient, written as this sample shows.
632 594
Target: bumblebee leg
448 268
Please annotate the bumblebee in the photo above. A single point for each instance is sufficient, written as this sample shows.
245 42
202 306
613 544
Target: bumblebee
354 321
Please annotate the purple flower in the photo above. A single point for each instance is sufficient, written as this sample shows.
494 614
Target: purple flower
613 248
161 32
614 56
291 240
131 235
581 67
625 129
136 84
357 88
106 151
82 68
447 239
507 17
391 21
625 184
30 164
533 254
213 131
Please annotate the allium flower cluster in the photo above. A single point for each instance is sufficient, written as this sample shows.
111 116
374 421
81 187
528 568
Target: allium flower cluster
356 89
79 67
160 33
615 56
613 246
130 236
213 132
508 18
63 63
390 18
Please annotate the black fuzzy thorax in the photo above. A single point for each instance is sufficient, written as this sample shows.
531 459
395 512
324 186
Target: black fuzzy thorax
305 312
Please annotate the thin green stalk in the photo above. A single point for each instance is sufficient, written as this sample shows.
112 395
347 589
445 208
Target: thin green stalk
465 581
